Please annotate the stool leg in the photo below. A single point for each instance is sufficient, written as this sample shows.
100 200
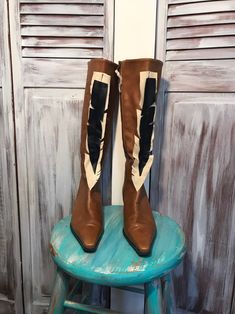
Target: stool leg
59 293
168 294
153 298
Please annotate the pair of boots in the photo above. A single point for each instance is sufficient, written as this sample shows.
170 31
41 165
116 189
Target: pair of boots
139 81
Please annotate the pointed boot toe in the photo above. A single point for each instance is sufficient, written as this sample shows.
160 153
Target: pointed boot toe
100 100
88 236
141 239
140 80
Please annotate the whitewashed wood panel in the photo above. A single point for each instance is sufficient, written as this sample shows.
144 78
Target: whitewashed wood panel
200 54
62 1
203 75
192 176
62 53
79 9
233 304
62 31
1 42
54 72
53 171
181 1
80 36
10 255
62 20
197 188
201 31
7 278
204 42
201 19
47 118
203 7
59 43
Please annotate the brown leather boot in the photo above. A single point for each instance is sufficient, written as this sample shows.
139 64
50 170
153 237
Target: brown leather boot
139 83
99 101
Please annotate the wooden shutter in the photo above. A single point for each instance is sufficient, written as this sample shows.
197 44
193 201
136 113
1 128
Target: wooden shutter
52 41
10 257
196 183
58 38
203 33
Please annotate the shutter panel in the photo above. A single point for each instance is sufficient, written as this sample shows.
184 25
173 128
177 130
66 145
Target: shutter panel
10 255
52 42
201 31
59 35
195 179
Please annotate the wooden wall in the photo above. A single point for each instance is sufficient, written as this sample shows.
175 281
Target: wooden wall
44 49
10 257
195 177
49 44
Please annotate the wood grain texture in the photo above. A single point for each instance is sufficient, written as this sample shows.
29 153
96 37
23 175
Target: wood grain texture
203 7
201 31
70 8
62 31
183 1
70 42
1 41
201 19
161 26
192 178
62 1
10 255
204 75
54 72
61 20
64 53
6 307
22 164
233 302
200 43
197 188
59 34
54 172
200 54
108 30
7 282
47 189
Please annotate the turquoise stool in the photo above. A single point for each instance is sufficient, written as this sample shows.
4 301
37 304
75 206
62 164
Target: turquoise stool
115 263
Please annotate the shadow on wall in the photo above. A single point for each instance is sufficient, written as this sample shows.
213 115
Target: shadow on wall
155 194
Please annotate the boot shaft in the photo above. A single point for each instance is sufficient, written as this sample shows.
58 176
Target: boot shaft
139 84
140 80
99 102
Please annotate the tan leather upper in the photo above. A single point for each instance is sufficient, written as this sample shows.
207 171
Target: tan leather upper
87 216
87 220
139 225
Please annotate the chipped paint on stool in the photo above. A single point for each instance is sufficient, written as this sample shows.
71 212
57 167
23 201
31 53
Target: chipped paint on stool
115 263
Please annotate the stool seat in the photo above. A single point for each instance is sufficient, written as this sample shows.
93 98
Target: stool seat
115 263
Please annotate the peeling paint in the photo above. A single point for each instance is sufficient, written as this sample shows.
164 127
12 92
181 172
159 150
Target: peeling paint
52 250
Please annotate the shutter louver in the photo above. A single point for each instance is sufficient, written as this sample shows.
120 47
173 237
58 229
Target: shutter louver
61 34
200 30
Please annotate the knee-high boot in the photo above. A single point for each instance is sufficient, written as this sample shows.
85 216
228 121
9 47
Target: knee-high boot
99 101
139 83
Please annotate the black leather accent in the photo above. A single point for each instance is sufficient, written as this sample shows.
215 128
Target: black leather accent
146 122
96 114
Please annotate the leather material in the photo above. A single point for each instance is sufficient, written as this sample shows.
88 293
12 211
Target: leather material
147 123
139 225
87 216
96 116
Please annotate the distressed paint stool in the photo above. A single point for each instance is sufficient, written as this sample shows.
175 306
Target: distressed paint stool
115 263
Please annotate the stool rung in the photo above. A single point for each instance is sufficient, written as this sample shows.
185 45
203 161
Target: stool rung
89 308
131 289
